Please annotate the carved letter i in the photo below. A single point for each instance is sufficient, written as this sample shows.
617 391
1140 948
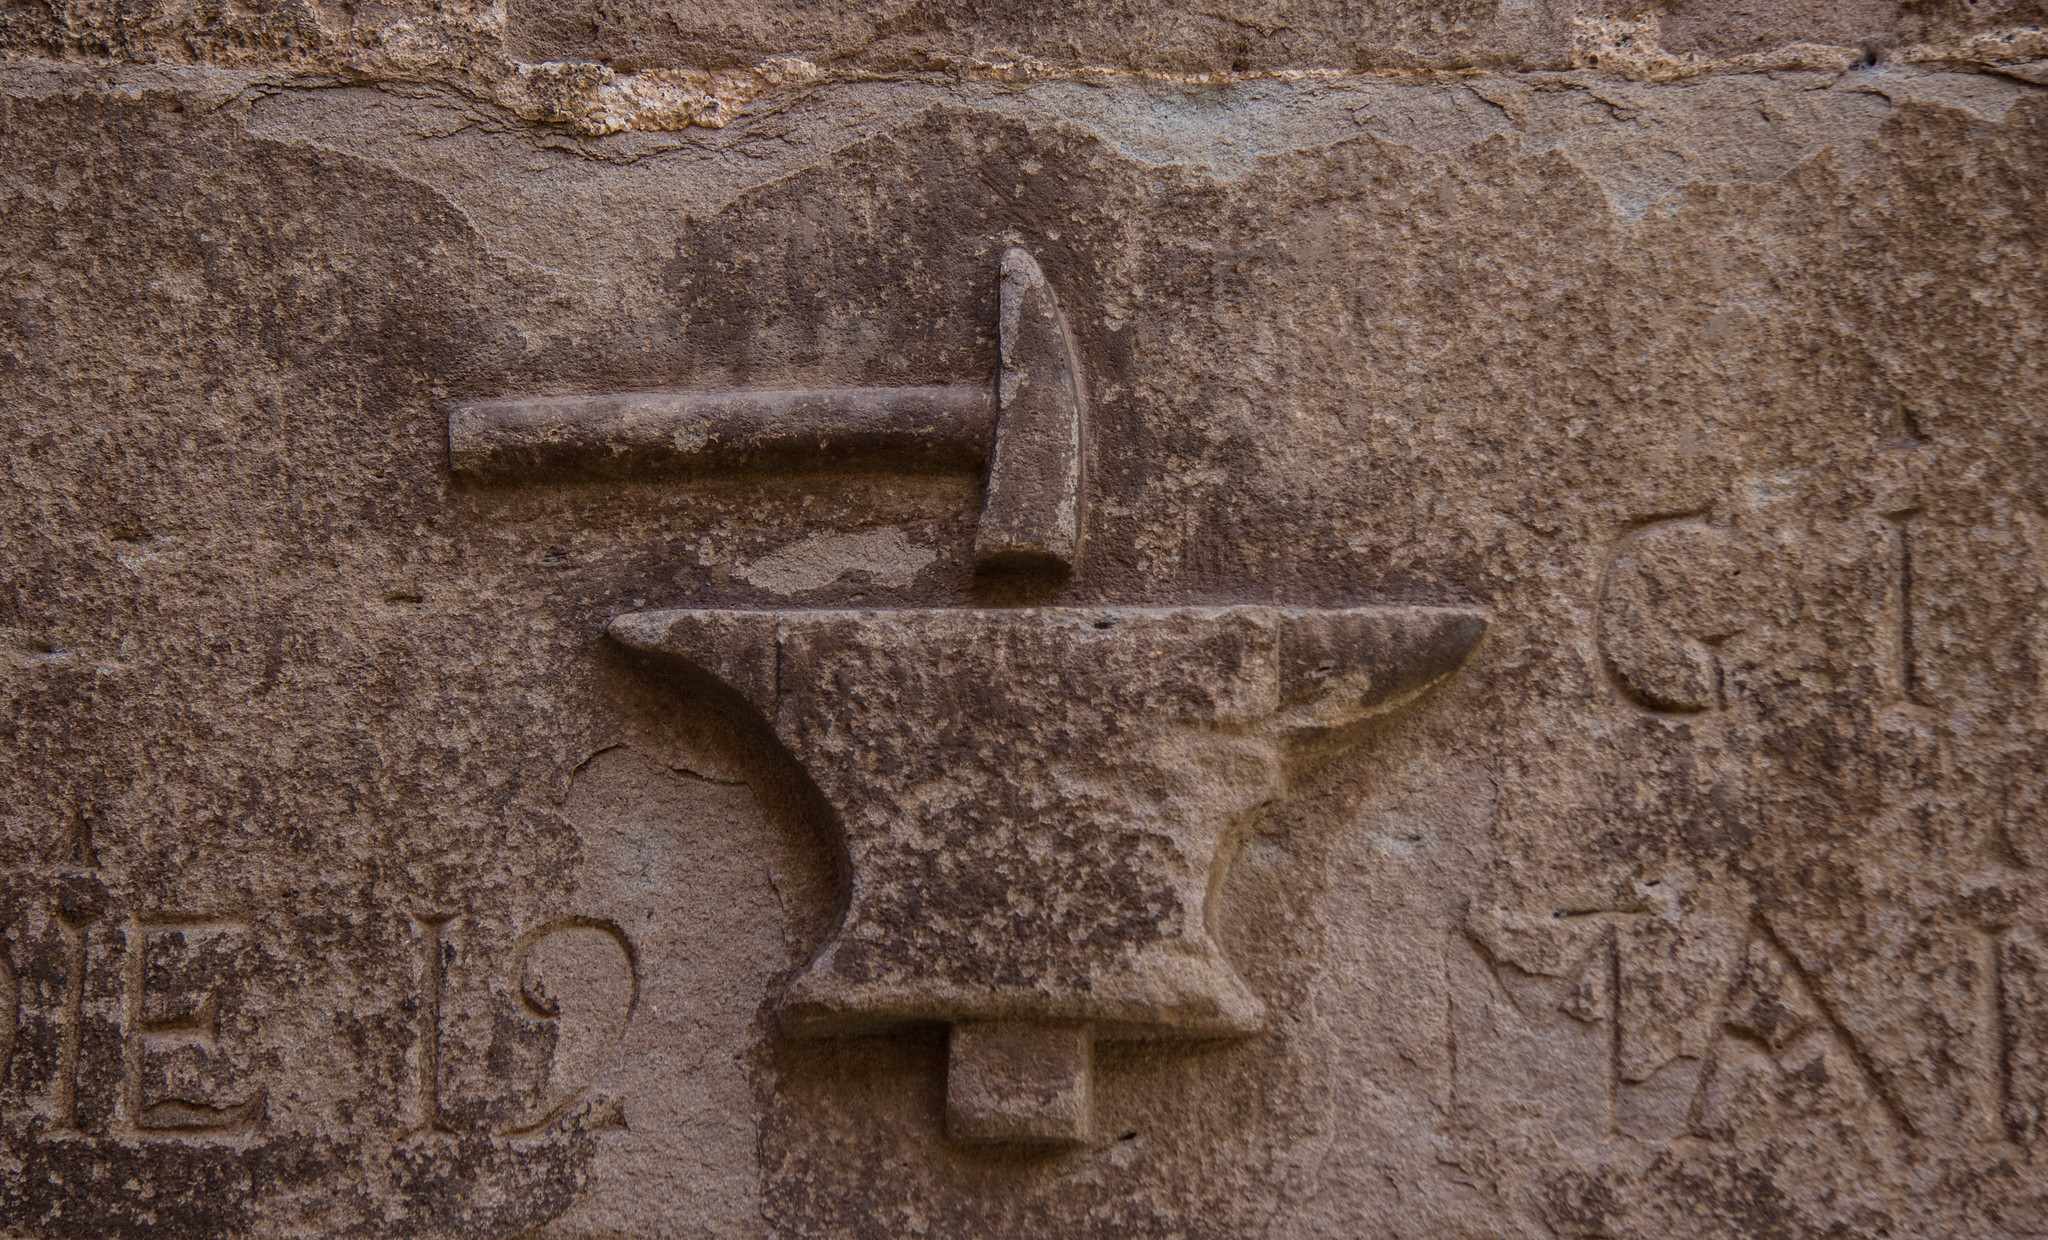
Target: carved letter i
65 1100
430 1027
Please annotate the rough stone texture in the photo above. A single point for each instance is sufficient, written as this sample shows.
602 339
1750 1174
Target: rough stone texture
896 35
356 884
1013 1084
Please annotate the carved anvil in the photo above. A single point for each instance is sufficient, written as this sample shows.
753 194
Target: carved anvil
1037 805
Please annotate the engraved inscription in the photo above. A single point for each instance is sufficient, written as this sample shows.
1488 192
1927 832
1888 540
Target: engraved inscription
10 1007
2034 528
2019 960
1676 590
1781 1020
64 1090
1596 997
177 1109
578 948
1551 1024
1998 1033
427 1049
1670 597
577 976
1904 680
77 849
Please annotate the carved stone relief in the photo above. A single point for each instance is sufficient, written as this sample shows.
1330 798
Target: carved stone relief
1333 620
1035 803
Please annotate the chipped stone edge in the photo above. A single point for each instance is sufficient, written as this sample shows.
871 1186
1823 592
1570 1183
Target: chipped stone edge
595 100
1632 49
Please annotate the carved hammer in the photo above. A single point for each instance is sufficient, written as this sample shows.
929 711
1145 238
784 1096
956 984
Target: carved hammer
1029 426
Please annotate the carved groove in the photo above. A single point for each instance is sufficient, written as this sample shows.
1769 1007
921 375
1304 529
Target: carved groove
10 1008
64 1092
1657 663
1905 672
432 929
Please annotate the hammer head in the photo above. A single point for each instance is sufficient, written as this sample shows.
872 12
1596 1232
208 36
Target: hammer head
1036 490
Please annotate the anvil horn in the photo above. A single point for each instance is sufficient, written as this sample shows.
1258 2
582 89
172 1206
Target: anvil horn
735 649
1341 667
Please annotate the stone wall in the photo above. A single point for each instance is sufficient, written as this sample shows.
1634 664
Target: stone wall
1294 618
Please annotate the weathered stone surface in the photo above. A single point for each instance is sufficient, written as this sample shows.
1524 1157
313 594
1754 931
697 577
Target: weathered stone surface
356 884
898 35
